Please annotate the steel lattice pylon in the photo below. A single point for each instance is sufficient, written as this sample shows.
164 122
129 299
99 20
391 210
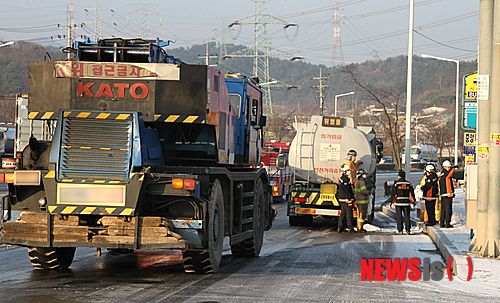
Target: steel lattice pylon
144 10
261 50
337 53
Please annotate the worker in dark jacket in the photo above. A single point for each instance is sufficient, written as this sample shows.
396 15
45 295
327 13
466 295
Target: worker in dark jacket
430 193
446 193
345 196
404 198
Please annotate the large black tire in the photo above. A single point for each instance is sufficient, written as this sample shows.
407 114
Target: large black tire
51 257
206 261
278 199
253 246
294 220
306 220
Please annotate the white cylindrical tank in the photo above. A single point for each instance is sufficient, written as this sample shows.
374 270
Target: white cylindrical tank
320 147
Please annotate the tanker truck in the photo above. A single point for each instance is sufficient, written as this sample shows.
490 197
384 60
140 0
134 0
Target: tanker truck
316 155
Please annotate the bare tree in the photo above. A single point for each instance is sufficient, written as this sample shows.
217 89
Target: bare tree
280 124
7 109
438 134
388 103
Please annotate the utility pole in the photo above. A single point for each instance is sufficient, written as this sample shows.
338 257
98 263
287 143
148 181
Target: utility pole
408 93
207 57
493 213
479 242
321 90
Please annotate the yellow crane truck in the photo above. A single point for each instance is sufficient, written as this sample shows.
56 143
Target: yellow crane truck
146 152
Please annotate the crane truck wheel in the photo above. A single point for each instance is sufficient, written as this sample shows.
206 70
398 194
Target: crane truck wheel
51 257
252 246
208 260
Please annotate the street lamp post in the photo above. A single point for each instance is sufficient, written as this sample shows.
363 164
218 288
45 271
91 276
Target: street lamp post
7 43
336 96
456 100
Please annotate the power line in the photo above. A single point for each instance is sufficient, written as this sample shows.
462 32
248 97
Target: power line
457 48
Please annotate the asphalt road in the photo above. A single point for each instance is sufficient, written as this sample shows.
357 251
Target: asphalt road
297 264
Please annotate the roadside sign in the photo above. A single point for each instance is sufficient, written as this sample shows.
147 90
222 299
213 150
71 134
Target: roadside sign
470 87
469 159
469 115
483 83
469 139
494 139
469 101
483 151
470 148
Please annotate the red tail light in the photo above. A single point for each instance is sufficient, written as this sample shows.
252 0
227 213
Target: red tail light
297 199
189 184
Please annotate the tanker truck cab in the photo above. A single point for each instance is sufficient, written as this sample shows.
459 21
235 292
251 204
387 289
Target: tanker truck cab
316 155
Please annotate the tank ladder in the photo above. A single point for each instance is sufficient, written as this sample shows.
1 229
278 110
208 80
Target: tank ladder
309 157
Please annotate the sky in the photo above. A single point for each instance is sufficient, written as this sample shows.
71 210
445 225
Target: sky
369 29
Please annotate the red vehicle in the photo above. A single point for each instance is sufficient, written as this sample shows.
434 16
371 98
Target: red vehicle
279 179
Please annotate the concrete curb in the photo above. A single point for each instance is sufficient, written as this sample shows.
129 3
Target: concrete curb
459 264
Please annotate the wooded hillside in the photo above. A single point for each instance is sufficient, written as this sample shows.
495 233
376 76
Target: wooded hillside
433 80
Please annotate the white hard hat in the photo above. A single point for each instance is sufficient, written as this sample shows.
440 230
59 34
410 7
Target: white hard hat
345 167
447 163
429 168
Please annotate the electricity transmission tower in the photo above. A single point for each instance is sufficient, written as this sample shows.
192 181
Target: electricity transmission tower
261 50
97 19
98 34
337 54
144 10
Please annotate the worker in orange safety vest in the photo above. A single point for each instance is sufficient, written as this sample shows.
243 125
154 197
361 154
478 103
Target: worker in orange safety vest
447 193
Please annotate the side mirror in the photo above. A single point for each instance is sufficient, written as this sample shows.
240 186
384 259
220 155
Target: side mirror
281 161
263 121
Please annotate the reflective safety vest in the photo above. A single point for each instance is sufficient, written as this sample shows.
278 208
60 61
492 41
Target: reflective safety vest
430 187
405 195
446 188
344 189
361 192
